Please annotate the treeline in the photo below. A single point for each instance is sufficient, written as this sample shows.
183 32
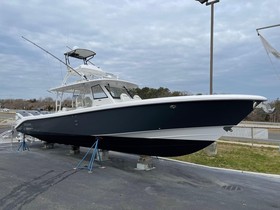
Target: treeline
146 92
261 116
48 104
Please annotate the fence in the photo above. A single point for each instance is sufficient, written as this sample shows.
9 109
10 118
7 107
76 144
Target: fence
255 132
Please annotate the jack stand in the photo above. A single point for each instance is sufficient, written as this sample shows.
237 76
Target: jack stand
145 163
75 150
48 145
23 145
94 147
104 155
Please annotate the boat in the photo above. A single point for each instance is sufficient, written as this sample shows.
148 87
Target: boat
103 106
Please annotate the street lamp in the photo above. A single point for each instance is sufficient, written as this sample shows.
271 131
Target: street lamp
211 39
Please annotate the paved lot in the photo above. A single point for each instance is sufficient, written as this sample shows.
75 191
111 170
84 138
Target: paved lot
45 179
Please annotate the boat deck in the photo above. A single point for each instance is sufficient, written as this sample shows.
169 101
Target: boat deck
45 179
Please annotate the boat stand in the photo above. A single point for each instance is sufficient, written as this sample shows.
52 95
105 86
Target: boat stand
145 163
95 152
23 145
75 150
48 145
103 155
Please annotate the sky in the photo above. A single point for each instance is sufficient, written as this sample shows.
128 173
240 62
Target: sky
152 43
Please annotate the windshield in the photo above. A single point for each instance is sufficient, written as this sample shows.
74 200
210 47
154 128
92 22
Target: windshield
117 91
97 92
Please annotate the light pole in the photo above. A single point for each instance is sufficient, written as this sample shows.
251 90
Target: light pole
211 38
211 150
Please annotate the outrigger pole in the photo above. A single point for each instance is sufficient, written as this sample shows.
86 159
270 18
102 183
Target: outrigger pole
81 75
266 27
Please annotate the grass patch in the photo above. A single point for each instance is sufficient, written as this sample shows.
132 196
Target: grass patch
240 157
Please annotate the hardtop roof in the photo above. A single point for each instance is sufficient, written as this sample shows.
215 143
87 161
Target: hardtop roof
80 53
86 85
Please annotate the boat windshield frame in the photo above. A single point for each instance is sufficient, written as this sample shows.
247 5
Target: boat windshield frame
116 92
98 93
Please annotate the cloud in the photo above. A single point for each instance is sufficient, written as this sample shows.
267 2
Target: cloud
150 42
